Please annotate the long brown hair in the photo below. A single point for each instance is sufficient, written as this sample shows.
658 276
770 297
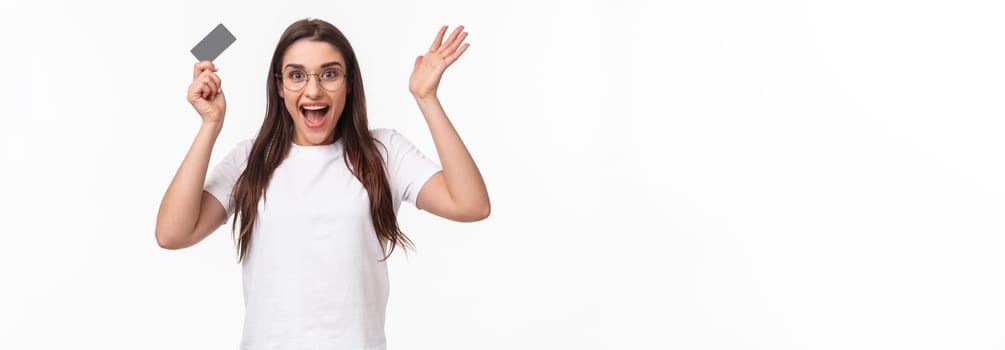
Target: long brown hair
272 144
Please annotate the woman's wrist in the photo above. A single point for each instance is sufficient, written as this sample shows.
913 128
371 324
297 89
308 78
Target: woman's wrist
427 100
212 127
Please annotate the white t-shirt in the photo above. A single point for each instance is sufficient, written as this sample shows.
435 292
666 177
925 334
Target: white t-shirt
312 275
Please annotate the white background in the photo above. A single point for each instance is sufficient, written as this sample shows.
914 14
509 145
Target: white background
665 175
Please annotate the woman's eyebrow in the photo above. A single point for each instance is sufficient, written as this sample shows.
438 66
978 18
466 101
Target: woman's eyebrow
332 63
326 65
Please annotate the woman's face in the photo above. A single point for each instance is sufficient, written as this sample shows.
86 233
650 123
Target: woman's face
313 88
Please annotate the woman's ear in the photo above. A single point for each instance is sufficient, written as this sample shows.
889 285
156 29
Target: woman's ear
279 88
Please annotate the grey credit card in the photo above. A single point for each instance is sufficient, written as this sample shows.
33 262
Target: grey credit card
213 44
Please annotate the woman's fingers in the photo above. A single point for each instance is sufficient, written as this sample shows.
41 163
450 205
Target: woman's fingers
438 40
210 76
450 45
214 90
204 89
196 91
202 66
457 54
213 82
206 83
207 91
204 92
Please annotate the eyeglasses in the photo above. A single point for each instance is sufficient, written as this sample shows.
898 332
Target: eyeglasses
294 79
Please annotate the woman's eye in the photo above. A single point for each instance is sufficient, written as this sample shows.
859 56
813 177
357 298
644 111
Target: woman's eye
296 75
330 74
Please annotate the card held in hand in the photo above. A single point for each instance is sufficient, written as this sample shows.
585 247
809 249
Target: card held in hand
213 44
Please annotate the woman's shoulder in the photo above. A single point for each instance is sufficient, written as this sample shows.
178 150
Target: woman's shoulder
389 137
389 140
384 134
242 148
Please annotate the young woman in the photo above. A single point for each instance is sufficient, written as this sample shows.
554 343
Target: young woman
314 195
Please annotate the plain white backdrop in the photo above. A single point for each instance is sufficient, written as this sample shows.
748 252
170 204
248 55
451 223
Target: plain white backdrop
664 175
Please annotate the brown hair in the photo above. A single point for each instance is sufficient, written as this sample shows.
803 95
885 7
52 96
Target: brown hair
272 144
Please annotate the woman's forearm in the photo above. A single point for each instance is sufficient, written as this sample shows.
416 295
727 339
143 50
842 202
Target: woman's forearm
180 207
464 181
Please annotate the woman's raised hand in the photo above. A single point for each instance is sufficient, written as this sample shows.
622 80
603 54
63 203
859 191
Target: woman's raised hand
205 95
429 68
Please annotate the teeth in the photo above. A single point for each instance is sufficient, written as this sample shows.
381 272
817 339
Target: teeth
314 108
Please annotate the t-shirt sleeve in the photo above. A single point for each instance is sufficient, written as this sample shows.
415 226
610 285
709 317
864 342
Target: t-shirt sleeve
408 169
221 180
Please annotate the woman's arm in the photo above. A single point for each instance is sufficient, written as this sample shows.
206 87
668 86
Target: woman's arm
187 213
458 192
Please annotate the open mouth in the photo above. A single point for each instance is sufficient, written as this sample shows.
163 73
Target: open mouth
314 115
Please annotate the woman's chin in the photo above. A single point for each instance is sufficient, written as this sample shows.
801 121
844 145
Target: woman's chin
313 137
314 131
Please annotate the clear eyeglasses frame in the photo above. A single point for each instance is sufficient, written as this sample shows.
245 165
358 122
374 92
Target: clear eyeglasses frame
295 79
